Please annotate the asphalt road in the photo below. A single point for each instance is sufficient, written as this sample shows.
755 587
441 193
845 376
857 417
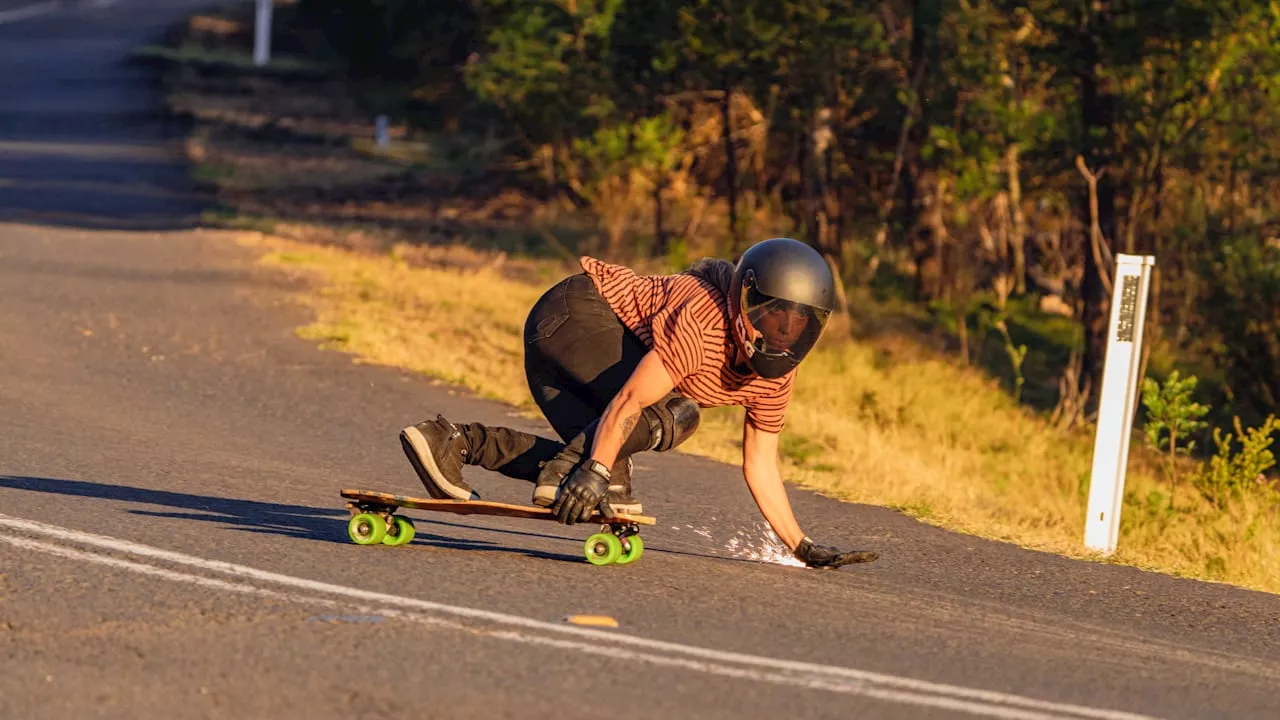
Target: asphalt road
172 542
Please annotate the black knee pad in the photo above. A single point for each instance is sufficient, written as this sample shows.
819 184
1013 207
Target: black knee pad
672 420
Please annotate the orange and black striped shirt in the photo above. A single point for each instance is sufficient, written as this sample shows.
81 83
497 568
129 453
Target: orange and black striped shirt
686 320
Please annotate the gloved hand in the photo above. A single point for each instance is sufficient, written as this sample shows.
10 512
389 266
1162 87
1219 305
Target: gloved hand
582 491
829 557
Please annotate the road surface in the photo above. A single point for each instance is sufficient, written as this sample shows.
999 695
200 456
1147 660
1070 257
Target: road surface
172 542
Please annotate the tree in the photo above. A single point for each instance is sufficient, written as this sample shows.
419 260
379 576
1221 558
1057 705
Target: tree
542 65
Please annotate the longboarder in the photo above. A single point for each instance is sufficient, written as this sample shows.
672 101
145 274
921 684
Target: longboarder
620 363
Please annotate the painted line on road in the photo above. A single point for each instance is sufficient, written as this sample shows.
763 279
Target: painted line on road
29 11
525 630
846 687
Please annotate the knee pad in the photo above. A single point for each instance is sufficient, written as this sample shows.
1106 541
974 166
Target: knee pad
672 420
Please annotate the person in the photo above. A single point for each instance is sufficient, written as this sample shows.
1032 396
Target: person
621 363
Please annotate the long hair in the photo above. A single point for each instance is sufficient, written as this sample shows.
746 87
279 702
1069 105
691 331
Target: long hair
715 271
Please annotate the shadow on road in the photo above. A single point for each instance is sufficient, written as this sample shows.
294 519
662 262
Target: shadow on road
277 518
300 521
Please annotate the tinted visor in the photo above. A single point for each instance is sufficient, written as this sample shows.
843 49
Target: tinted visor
780 327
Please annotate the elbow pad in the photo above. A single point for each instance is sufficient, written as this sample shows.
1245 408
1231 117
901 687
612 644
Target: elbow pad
671 420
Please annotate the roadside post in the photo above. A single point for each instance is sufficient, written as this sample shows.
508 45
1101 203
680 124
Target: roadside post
1118 401
262 34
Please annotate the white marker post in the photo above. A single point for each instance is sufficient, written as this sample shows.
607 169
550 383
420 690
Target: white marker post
1118 401
262 34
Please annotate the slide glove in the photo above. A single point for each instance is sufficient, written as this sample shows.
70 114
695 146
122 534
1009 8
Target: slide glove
829 557
581 492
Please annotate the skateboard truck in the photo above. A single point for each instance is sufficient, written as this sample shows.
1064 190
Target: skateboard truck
618 543
372 524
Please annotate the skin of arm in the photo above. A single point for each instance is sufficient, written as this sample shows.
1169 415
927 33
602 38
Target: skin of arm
648 384
760 468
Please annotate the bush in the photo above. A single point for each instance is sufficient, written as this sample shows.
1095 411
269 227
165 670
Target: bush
1228 473
1242 313
1172 416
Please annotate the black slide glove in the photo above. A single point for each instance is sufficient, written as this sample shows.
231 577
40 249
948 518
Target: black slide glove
581 492
826 556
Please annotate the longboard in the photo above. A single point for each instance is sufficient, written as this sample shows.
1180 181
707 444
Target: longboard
373 522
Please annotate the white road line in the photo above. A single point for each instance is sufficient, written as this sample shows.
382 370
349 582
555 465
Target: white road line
608 652
29 11
581 639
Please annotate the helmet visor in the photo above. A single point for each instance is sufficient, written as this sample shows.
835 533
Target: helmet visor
781 328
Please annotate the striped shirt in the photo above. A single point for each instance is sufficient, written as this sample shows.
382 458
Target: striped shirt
685 319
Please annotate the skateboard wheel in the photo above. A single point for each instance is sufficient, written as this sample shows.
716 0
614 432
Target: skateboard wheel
367 529
632 555
603 548
399 532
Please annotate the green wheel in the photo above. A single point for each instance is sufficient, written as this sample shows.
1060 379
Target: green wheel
632 555
367 529
603 548
399 532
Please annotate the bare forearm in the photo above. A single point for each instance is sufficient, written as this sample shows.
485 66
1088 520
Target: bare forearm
617 422
771 497
647 384
760 467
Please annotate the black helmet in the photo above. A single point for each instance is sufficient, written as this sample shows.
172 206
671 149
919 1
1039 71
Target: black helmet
781 296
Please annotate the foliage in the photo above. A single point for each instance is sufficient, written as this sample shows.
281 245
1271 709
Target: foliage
927 140
1172 415
1229 472
544 65
620 165
1242 314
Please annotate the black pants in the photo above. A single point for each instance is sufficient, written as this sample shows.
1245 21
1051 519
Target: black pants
578 355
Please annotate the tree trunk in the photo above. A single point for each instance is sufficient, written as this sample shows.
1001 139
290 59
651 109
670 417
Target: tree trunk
930 240
1153 332
1001 247
891 195
817 219
730 165
1097 110
659 232
823 134
549 171
920 182
808 210
1018 239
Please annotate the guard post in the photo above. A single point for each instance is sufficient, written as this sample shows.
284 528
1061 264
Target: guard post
262 34
1118 400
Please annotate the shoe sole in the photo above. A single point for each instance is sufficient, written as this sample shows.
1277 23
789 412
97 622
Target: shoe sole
424 463
544 495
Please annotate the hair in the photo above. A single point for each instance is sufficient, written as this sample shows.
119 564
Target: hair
715 271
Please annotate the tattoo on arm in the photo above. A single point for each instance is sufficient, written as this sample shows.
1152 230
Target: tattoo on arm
628 424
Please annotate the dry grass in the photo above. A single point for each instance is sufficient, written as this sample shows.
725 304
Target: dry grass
444 322
942 443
